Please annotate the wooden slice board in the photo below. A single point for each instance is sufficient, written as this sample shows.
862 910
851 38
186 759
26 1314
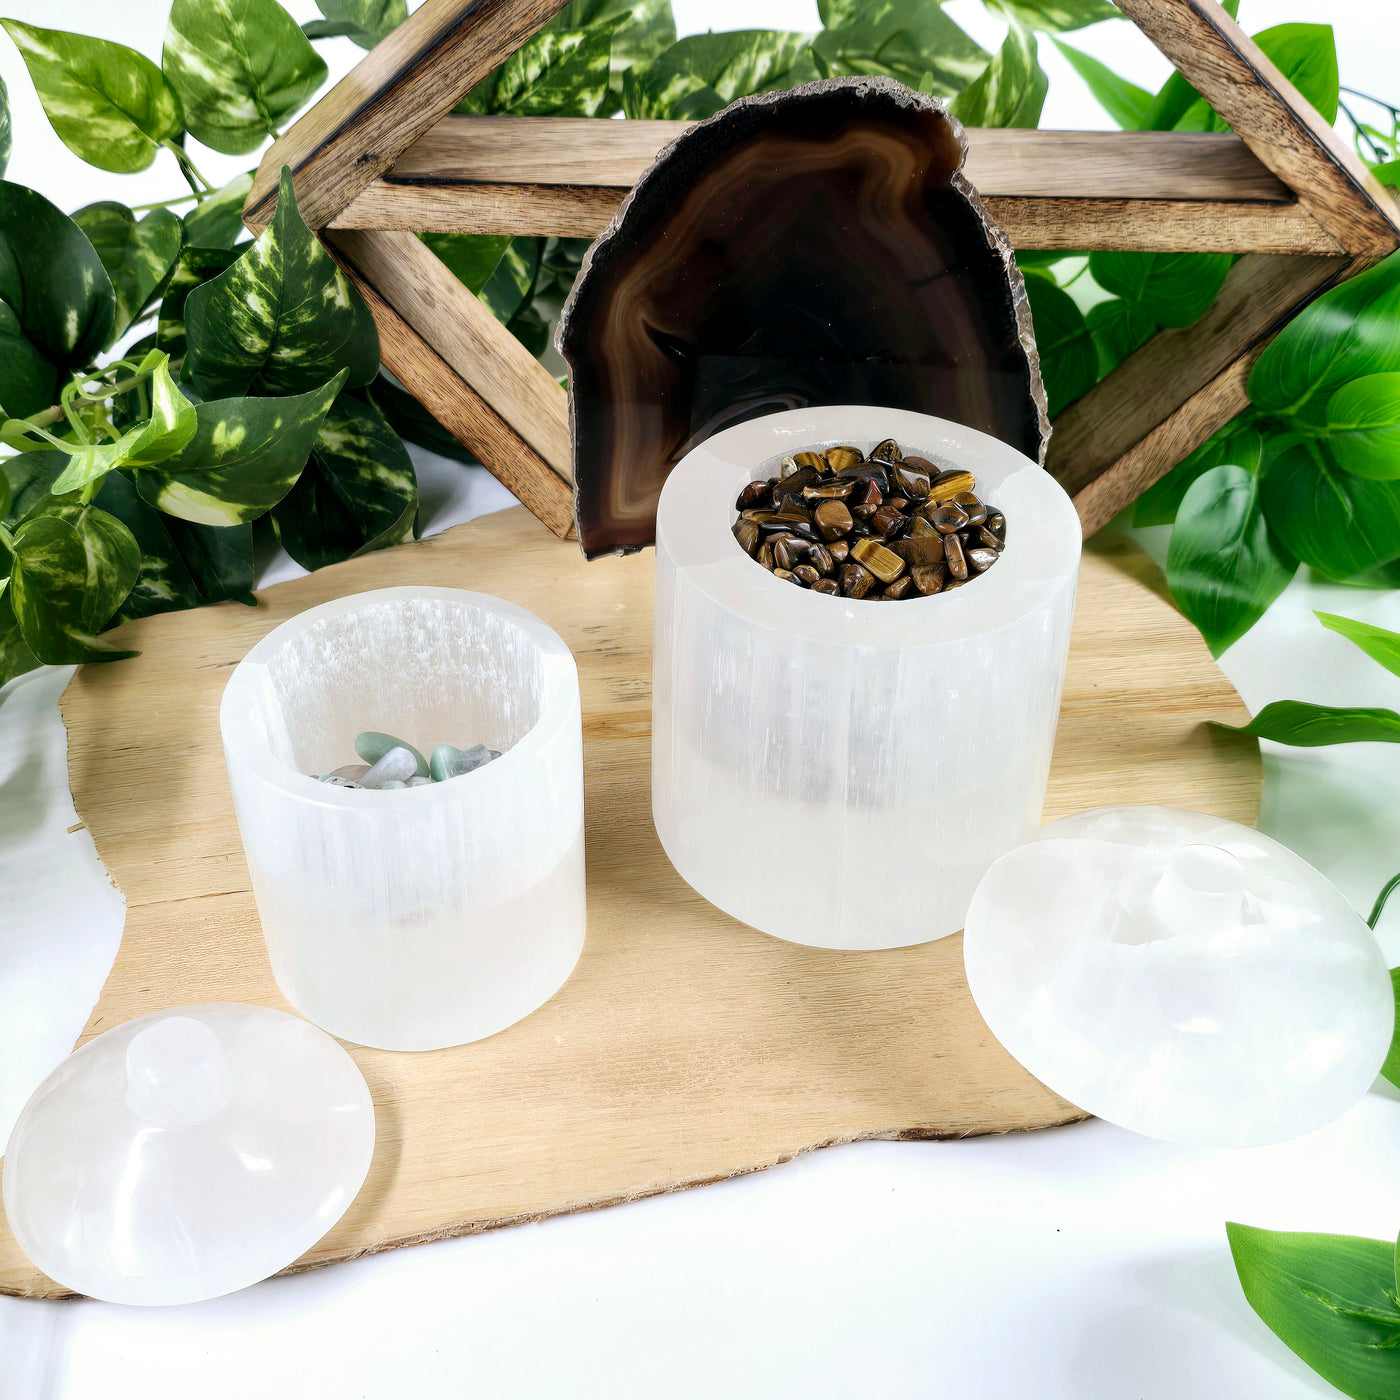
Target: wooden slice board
686 1048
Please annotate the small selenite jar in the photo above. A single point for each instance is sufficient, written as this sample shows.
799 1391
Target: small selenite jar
429 916
841 772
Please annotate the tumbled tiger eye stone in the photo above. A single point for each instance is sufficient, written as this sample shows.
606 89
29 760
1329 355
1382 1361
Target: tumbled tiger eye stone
856 582
827 585
987 540
839 551
900 588
814 460
887 451
981 559
948 518
765 555
829 491
948 484
747 533
957 560
914 483
918 549
883 563
785 574
840 458
754 494
832 519
806 573
886 521
786 553
929 578
819 557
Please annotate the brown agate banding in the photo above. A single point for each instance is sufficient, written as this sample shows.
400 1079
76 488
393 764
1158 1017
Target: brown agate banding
815 246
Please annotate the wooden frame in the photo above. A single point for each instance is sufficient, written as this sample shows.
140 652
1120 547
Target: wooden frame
379 156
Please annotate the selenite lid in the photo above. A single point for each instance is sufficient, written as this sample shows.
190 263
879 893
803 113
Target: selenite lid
187 1153
1179 975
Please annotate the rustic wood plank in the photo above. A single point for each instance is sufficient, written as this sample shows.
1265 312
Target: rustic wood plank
465 414
1287 134
1260 293
685 1048
1050 164
413 77
501 371
1172 440
578 211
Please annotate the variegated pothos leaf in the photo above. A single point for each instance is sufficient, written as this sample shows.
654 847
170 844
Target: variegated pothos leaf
246 454
282 319
138 256
109 104
358 492
72 571
240 67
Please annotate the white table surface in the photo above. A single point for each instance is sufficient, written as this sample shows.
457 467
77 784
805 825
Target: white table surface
1083 1262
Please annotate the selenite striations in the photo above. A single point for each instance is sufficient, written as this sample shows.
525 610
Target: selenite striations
803 745
817 246
434 915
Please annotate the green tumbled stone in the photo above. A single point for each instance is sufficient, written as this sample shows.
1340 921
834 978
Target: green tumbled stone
443 764
372 746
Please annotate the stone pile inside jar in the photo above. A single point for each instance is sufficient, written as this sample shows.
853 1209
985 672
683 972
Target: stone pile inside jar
879 527
392 763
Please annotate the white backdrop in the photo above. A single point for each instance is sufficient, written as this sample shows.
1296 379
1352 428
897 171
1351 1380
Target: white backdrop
1081 1263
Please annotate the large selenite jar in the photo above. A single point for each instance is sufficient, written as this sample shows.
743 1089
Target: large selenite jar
422 917
841 772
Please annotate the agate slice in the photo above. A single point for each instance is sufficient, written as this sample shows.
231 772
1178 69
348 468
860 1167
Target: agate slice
1179 975
811 247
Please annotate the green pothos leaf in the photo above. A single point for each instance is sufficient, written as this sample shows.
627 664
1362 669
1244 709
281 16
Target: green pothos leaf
1339 523
1330 1299
1068 359
196 266
139 257
904 39
1224 564
240 68
164 582
1058 16
170 426
5 131
109 104
557 73
70 575
1379 643
217 222
371 20
245 455
413 423
1159 504
29 477
1010 91
699 75
56 300
15 655
1118 327
1363 426
281 319
1307 726
219 558
358 492
1173 289
640 30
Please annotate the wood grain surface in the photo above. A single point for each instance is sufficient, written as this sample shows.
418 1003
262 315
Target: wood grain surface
414 76
1274 120
686 1048
1023 161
